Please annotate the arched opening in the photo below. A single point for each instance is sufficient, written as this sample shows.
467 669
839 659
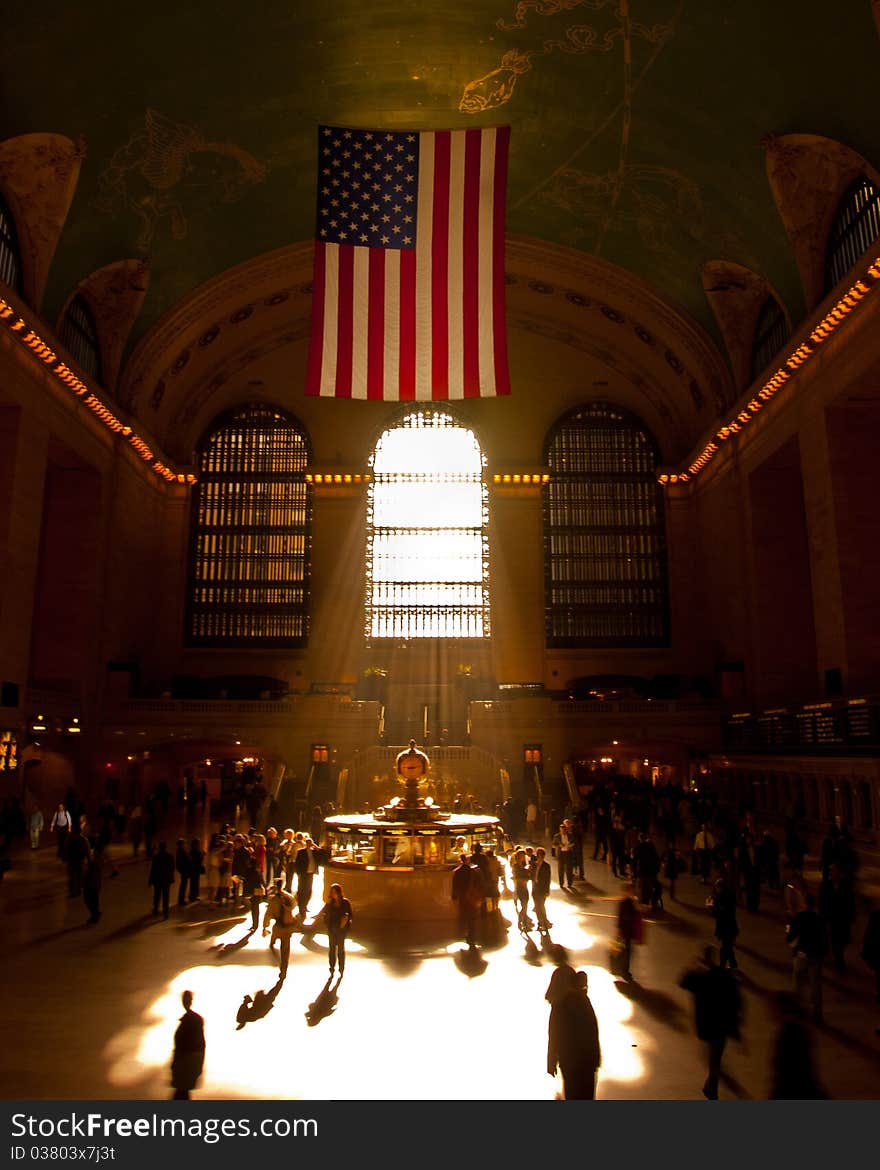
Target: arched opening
79 334
427 544
605 543
856 226
250 533
10 253
771 333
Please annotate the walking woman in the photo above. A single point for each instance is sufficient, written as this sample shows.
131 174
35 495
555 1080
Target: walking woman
337 918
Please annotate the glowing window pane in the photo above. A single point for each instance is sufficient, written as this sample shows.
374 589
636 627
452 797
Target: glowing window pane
427 573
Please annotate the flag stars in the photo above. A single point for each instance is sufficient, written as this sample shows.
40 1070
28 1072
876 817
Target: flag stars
397 209
407 240
385 239
363 237
408 198
396 229
347 134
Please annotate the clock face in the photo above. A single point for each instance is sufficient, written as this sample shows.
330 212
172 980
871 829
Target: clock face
411 767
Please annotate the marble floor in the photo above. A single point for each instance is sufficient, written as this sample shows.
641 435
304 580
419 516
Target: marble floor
92 1009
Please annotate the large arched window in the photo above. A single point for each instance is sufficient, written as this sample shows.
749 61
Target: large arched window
427 559
856 226
249 547
771 333
79 334
10 255
605 555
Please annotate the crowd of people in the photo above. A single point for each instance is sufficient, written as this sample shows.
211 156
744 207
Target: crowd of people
648 840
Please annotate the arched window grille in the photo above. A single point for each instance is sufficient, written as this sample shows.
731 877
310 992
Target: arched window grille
250 533
80 336
605 546
856 226
427 549
771 333
10 254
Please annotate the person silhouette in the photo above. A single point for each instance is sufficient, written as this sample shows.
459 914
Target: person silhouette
188 1060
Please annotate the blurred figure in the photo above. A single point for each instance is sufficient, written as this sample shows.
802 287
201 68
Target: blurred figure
794 1076
36 821
717 1009
161 878
726 926
279 911
629 931
573 1041
807 939
189 1049
837 905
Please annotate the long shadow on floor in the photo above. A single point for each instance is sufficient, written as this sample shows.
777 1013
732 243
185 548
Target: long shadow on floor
656 1003
130 928
674 923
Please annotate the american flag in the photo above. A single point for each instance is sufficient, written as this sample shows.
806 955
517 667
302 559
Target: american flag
409 265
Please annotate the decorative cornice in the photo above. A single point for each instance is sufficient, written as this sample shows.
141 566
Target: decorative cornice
803 348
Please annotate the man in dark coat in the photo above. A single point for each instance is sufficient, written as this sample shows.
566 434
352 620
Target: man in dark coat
306 866
573 1041
189 1049
467 894
541 875
161 878
718 1009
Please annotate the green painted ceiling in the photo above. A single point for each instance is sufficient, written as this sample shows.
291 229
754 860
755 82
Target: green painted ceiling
635 123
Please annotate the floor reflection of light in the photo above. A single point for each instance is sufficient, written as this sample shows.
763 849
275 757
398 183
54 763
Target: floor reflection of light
432 1033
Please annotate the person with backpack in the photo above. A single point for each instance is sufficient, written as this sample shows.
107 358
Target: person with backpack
280 912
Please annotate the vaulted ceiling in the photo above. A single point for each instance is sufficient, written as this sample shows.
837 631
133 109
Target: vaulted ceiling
636 124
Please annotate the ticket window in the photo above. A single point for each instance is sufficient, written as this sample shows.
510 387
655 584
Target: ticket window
353 846
429 849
